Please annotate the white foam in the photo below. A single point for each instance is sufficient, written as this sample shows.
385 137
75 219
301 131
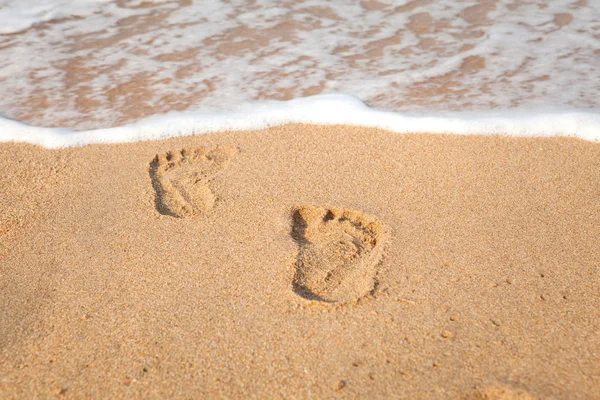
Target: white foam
19 15
322 109
396 58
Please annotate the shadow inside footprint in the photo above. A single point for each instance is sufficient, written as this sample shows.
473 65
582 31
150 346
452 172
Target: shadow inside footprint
181 179
339 250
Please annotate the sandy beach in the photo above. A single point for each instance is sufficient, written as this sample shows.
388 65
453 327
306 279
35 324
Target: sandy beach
301 261
457 267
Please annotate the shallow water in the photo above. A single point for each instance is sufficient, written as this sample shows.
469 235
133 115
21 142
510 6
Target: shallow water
96 64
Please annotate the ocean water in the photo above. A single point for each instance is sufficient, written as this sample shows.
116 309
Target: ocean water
88 71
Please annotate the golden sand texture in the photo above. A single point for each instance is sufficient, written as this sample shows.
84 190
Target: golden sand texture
478 264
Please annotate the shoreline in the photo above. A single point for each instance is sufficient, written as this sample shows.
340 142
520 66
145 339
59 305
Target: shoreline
327 110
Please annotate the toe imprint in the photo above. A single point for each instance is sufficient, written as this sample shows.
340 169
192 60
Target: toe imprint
181 179
501 392
339 250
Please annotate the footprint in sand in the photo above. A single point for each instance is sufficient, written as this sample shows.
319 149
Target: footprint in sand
501 392
339 253
181 179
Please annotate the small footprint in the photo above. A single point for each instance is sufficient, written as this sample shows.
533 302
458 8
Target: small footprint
501 392
339 253
181 179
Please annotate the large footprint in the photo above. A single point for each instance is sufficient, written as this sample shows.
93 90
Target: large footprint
339 253
181 179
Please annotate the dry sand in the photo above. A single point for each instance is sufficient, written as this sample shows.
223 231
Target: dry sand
301 261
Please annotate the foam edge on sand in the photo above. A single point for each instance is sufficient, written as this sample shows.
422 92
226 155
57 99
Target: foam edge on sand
335 109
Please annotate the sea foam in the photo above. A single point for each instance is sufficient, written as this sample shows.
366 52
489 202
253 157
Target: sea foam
320 109
90 64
